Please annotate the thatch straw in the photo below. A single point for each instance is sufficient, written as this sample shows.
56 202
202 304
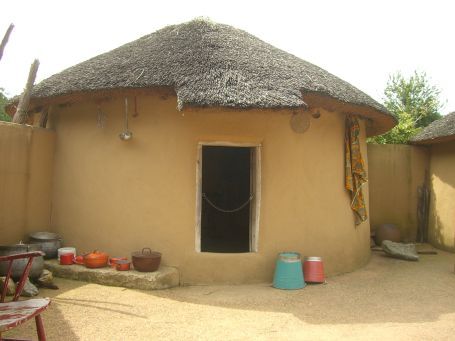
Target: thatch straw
438 131
208 64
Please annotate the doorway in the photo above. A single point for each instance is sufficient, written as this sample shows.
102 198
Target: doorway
228 198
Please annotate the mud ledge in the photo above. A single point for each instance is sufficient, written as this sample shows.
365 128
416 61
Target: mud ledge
166 277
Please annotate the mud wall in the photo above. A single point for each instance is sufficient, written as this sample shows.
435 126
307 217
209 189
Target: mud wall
395 173
26 168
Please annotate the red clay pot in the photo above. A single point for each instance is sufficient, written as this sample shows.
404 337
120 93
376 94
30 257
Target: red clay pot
96 259
387 232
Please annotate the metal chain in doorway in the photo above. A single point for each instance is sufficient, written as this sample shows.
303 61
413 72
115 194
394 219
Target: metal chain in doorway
224 210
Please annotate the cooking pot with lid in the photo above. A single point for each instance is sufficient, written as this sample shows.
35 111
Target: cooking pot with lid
146 260
50 242
96 259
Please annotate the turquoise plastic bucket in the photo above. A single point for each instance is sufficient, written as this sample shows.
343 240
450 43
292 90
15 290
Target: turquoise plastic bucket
288 271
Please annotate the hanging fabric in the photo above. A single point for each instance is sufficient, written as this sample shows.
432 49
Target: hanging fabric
356 175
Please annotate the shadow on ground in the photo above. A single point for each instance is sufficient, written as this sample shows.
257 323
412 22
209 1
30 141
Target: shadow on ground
386 290
385 298
52 316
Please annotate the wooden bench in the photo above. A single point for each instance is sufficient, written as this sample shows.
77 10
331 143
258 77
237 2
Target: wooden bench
14 313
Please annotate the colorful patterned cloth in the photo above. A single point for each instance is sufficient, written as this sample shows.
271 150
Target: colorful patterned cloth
356 175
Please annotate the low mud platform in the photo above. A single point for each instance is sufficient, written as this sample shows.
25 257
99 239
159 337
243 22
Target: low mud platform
165 277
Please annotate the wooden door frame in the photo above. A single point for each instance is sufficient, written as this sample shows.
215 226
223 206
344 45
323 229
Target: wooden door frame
255 208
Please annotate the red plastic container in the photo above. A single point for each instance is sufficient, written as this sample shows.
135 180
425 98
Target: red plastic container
67 259
313 270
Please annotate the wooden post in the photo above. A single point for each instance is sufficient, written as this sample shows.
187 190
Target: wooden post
21 113
43 118
5 39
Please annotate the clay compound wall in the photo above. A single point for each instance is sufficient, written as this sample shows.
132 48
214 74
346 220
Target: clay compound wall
26 167
395 173
442 203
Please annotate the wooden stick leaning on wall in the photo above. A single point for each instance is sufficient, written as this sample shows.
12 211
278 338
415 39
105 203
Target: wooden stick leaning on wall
5 40
43 118
21 113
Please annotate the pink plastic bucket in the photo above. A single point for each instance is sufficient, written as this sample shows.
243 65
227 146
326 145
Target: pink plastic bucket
313 270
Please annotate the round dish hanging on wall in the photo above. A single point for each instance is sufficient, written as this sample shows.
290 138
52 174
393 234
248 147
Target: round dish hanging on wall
300 122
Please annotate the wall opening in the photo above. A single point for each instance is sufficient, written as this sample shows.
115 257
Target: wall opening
228 199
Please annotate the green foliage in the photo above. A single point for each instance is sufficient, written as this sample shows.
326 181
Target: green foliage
400 134
414 102
3 115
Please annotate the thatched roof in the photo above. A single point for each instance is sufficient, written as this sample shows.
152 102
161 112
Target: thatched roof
211 64
438 131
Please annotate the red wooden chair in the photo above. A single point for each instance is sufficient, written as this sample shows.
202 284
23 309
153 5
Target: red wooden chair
15 312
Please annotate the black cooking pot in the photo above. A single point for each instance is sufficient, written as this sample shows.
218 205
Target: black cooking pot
19 264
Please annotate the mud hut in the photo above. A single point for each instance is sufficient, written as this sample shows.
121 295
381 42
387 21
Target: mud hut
205 143
439 136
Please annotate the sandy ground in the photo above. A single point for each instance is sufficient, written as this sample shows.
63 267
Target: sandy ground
387 299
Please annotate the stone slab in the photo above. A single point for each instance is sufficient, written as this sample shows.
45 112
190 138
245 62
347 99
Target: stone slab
400 250
165 277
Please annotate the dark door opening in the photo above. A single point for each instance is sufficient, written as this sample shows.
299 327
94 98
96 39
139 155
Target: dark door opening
226 199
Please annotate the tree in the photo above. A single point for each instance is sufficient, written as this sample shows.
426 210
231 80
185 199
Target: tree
3 115
414 102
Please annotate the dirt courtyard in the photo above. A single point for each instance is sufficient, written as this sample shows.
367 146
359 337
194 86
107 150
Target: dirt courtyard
387 299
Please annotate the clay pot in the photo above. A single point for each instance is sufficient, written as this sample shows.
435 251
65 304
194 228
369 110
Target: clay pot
387 232
146 260
96 259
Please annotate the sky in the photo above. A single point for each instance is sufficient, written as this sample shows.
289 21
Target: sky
362 42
